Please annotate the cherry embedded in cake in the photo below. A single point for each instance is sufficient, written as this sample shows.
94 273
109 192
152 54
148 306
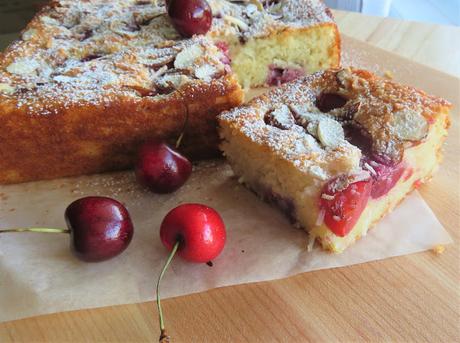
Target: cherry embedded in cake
342 147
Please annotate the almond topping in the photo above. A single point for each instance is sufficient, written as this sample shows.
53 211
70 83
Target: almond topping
409 125
330 133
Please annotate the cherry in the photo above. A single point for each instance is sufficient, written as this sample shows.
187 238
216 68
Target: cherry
326 102
343 207
278 76
196 233
359 137
160 168
100 228
384 176
199 230
190 17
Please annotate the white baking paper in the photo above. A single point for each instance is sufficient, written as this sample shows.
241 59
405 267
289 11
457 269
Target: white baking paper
38 274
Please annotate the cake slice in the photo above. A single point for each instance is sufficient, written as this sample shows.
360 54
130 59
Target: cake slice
337 150
274 41
73 112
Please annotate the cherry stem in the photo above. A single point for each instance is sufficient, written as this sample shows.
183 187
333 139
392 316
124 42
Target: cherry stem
163 335
35 229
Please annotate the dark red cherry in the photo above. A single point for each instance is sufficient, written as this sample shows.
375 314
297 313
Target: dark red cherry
160 168
100 228
328 101
358 137
190 17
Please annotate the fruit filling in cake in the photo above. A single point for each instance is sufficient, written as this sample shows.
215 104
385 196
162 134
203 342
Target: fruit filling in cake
337 150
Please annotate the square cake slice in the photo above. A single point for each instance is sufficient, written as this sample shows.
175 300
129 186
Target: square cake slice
337 150
64 114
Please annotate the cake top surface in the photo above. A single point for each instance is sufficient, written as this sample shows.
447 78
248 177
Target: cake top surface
83 51
43 85
325 122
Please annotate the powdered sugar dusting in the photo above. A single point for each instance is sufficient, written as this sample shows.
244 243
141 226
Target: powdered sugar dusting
245 19
94 52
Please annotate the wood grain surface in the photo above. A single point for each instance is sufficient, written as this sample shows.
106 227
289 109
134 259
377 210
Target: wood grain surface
414 298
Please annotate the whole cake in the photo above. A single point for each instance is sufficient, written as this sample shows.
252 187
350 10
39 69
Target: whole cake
91 80
337 150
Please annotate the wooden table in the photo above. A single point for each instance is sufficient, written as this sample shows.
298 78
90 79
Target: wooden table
410 298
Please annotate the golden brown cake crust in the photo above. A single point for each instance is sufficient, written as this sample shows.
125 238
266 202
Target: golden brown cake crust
99 137
90 115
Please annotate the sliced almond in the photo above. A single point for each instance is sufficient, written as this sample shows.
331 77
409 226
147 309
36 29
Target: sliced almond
281 117
345 77
205 72
330 133
257 4
187 57
173 80
6 88
25 67
409 125
237 22
49 21
312 128
27 35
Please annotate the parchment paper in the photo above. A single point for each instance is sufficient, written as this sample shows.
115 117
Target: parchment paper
38 274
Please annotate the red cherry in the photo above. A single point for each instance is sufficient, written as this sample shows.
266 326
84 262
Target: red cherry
160 168
190 17
344 207
196 233
199 229
384 176
100 228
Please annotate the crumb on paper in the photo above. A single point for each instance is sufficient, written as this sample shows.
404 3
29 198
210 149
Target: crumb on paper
388 74
438 249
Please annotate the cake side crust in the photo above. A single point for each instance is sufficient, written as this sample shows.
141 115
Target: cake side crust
85 139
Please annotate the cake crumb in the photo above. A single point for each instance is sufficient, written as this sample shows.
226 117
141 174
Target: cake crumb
388 74
438 249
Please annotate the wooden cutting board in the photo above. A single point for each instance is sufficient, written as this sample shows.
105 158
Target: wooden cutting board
410 298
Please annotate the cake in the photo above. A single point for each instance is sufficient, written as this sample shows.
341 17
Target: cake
88 114
336 150
89 81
